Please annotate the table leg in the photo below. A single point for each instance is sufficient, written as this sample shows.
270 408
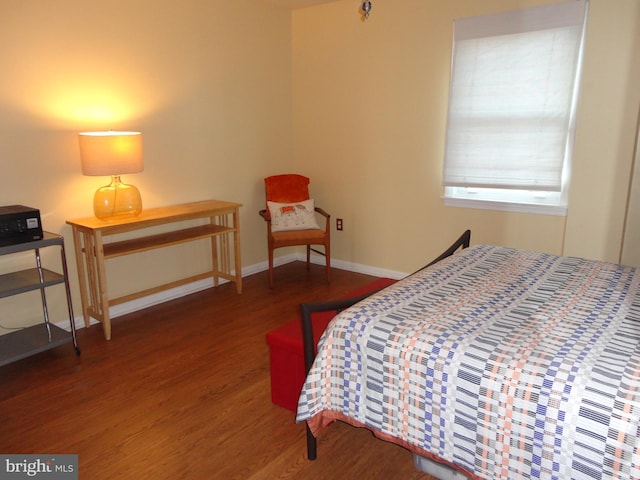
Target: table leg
215 267
80 245
102 297
236 250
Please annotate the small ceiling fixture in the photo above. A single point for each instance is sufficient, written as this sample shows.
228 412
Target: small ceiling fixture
366 8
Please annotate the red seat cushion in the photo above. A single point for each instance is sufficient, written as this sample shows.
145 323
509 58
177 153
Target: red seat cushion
286 354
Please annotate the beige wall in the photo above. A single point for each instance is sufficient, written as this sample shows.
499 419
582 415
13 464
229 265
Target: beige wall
607 125
208 82
229 91
370 101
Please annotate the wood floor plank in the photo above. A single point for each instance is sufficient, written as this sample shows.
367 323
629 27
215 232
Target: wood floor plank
182 392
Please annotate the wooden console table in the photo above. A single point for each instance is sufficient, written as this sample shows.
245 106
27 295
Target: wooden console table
91 250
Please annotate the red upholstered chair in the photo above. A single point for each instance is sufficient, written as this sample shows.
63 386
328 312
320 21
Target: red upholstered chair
295 222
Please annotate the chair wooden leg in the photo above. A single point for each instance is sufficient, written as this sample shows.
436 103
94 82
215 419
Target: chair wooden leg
270 268
327 251
308 256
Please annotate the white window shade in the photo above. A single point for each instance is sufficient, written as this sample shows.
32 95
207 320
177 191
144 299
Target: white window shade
512 98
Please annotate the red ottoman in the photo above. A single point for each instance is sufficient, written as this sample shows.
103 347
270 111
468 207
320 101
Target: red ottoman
286 355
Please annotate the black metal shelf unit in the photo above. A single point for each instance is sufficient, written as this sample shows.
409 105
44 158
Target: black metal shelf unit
40 337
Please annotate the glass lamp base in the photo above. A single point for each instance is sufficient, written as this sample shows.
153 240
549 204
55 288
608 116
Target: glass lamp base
117 199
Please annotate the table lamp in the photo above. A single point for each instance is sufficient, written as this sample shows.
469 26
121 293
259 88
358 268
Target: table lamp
113 153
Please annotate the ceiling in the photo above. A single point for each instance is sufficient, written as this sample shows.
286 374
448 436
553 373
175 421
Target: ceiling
293 4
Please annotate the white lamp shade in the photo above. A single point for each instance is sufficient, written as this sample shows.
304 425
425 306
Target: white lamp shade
111 153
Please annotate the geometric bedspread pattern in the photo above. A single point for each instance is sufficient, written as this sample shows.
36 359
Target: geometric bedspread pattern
507 363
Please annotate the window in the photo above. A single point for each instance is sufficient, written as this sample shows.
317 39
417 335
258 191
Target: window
512 103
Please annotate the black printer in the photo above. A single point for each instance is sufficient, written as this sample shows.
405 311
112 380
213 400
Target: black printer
19 224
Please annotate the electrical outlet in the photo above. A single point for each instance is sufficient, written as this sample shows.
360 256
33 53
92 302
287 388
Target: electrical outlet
339 224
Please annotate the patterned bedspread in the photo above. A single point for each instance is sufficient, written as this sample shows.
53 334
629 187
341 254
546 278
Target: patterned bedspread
506 363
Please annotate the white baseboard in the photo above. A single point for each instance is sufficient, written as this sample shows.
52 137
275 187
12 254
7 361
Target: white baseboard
359 268
171 294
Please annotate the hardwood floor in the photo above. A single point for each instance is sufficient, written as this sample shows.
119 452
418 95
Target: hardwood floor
182 392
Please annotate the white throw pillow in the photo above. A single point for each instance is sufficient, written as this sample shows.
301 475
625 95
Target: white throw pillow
292 216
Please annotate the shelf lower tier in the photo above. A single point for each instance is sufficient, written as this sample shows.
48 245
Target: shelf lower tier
23 343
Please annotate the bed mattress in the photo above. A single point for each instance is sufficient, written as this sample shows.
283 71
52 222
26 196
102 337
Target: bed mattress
500 362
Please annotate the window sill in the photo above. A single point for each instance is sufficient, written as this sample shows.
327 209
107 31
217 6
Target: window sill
557 210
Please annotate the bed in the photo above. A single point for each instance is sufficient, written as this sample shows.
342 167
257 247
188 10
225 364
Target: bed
493 363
